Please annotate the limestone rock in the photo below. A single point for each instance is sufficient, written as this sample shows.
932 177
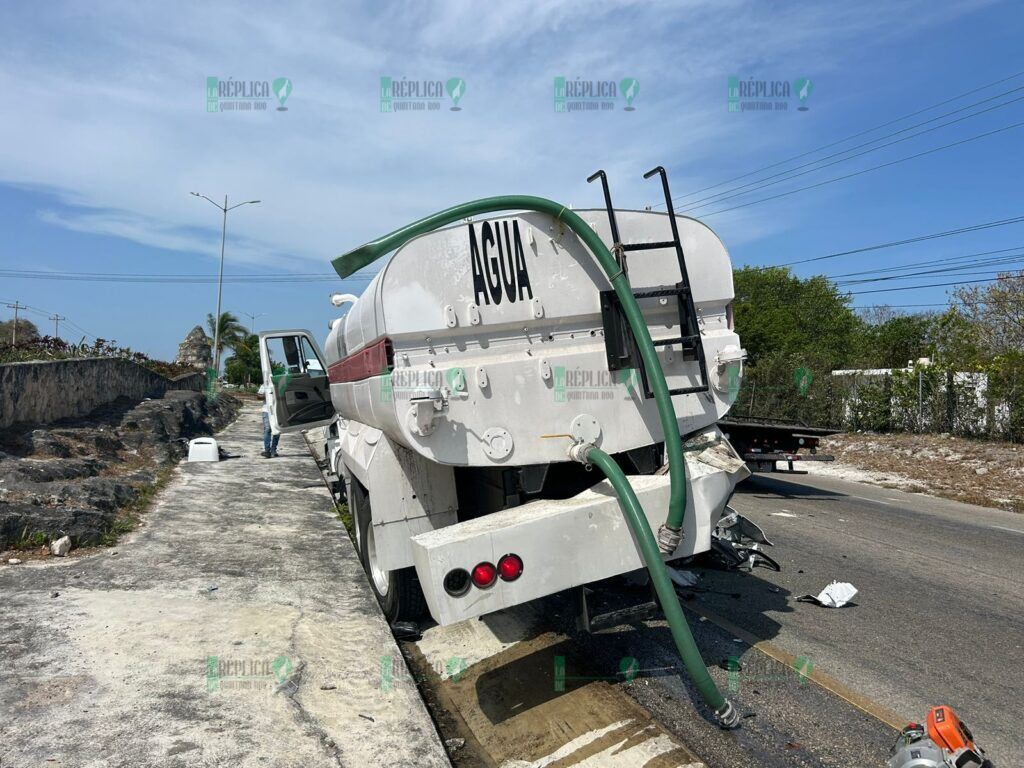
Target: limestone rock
61 546
196 351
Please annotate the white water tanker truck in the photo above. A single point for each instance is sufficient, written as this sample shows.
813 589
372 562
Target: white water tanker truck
506 348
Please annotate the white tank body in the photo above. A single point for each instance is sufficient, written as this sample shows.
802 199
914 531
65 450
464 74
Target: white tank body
483 344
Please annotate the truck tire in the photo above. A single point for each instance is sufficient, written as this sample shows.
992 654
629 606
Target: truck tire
398 591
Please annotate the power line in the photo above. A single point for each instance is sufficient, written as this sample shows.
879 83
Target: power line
929 285
56 324
943 270
113 277
723 196
907 241
48 315
853 136
16 306
867 170
926 263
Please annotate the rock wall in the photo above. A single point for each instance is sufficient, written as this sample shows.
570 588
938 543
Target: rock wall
75 479
44 392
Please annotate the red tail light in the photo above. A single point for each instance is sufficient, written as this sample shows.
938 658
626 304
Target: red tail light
510 567
484 575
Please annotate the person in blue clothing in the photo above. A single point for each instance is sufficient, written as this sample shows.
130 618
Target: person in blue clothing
270 437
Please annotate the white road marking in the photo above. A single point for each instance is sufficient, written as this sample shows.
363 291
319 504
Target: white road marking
1011 530
873 501
781 514
638 755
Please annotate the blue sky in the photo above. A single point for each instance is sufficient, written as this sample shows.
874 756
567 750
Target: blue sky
105 132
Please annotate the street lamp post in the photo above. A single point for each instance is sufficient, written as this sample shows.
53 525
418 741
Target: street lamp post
220 278
251 316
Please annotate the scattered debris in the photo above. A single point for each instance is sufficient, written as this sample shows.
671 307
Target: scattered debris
14 561
835 595
406 630
367 717
61 546
55 594
683 578
328 687
454 744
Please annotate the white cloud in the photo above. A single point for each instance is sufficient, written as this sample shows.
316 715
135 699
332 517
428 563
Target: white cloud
110 110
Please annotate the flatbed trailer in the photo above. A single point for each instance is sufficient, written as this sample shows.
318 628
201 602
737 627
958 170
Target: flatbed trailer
763 442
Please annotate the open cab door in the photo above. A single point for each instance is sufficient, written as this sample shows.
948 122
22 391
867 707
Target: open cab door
293 366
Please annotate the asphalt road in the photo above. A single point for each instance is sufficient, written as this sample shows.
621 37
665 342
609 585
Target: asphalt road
939 617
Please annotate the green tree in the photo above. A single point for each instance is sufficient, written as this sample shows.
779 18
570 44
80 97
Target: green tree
231 331
996 312
778 314
243 367
26 330
891 340
796 331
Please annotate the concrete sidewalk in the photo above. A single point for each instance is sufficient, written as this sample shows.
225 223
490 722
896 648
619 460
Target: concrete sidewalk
235 628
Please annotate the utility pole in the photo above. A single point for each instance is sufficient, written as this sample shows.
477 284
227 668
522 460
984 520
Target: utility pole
220 279
56 324
14 331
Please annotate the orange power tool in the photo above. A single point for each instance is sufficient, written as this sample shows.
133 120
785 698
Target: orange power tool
943 742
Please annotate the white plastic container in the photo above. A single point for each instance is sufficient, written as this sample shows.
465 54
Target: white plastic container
203 449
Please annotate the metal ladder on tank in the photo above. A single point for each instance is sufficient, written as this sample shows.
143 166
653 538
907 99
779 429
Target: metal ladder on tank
620 344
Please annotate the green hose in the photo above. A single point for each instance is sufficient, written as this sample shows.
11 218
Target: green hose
359 257
724 712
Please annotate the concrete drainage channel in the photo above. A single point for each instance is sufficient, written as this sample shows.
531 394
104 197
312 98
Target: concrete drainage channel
505 691
523 688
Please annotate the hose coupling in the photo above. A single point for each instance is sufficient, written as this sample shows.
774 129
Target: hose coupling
668 539
580 451
727 717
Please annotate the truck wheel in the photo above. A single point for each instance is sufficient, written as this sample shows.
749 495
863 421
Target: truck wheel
398 592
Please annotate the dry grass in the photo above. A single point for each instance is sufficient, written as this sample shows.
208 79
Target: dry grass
989 474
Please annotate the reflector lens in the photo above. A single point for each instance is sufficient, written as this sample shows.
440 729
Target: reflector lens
456 582
484 575
510 567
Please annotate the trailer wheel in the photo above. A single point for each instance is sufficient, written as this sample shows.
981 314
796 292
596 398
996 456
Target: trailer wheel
398 592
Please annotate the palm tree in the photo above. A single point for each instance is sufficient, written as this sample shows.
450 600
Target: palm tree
232 331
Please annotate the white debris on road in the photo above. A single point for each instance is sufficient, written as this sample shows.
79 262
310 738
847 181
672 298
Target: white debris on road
835 595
